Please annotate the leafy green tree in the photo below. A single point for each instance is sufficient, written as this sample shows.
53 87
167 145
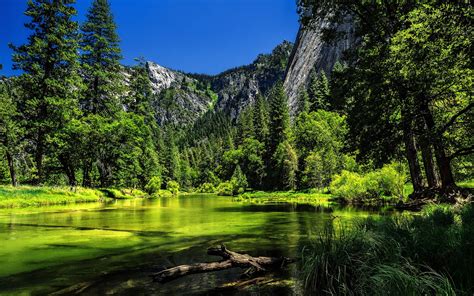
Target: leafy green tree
286 166
50 82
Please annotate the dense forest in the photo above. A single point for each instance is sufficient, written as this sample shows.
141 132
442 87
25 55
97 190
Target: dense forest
398 104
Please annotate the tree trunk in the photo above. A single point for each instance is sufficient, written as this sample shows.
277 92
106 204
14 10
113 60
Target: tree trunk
443 162
86 174
231 260
68 170
432 175
39 155
11 167
412 158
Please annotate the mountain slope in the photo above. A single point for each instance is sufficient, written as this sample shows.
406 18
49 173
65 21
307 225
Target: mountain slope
182 98
312 51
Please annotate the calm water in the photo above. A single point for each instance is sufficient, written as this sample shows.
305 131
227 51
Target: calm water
113 248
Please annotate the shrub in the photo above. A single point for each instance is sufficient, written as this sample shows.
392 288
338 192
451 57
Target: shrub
162 193
348 185
206 188
225 189
153 185
388 181
173 187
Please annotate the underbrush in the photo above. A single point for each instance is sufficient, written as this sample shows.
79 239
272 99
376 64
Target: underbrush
381 186
261 197
29 196
427 254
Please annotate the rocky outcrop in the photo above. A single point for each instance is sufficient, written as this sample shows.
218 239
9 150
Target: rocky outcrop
312 51
237 88
182 98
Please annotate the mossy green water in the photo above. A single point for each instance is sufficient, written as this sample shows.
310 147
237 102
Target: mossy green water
47 249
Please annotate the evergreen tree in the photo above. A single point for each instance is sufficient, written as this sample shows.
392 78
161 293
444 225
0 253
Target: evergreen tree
279 117
11 131
50 81
245 125
261 118
319 91
239 181
100 59
303 101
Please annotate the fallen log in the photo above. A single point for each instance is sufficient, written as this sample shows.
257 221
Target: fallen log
230 260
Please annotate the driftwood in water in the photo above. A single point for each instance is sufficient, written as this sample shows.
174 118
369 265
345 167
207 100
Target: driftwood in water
230 260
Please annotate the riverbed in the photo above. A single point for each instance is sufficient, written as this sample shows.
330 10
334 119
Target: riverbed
112 248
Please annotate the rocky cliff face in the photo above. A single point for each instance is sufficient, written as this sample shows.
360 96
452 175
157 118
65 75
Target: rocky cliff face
239 87
182 98
311 51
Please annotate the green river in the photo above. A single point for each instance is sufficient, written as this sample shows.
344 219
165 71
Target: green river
97 249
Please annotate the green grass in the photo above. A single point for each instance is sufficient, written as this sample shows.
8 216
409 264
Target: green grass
124 193
262 197
29 196
426 254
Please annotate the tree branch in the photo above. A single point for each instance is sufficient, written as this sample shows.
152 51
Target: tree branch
455 117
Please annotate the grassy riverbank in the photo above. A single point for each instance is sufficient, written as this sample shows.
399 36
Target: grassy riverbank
261 197
427 254
29 196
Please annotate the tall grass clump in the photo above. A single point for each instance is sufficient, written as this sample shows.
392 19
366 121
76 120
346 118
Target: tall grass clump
428 254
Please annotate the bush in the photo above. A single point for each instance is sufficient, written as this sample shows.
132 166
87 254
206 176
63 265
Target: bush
153 185
162 193
225 189
388 181
206 188
348 185
173 187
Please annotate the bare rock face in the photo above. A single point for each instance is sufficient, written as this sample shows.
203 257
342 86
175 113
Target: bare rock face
239 87
180 98
311 51
161 77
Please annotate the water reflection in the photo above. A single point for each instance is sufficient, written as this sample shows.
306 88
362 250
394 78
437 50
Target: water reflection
103 246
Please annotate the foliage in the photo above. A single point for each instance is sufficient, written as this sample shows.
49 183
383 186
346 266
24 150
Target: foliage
225 189
389 181
173 187
399 255
154 184
206 188
238 181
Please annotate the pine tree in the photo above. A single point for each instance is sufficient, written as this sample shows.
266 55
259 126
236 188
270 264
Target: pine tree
101 60
303 101
11 131
261 118
279 134
319 91
279 118
50 81
245 125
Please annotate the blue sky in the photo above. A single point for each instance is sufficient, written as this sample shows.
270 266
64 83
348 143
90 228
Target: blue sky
199 36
